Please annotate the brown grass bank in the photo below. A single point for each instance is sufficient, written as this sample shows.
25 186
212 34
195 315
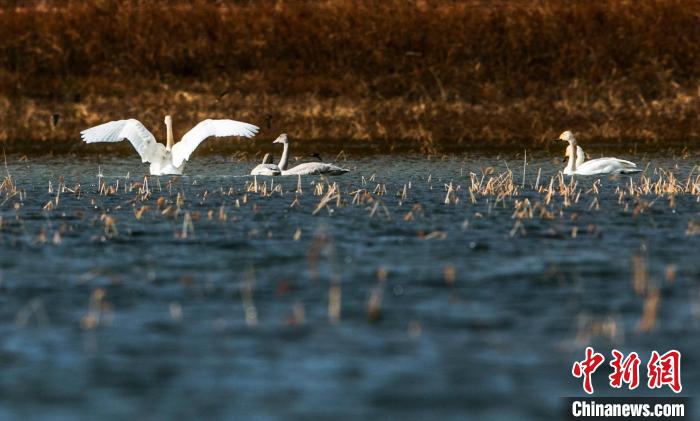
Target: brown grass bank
412 75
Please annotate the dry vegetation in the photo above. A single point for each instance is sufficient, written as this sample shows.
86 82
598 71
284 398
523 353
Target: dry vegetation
422 75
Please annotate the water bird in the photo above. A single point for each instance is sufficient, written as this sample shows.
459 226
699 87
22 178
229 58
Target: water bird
168 159
267 167
306 168
578 165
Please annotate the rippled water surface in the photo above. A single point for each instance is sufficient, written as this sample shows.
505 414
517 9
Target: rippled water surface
225 302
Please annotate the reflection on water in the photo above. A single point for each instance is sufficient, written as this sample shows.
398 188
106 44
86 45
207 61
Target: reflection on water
400 296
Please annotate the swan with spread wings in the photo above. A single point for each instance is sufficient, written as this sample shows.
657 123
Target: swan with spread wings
168 159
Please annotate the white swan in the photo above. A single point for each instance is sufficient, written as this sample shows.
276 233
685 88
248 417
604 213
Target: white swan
168 159
305 168
578 165
267 167
580 154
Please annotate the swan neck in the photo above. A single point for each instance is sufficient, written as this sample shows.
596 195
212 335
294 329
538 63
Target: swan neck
571 162
283 161
581 157
169 139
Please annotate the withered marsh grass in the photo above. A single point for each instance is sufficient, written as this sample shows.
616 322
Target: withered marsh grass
424 76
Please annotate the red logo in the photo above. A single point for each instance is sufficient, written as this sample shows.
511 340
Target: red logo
665 370
625 371
587 367
662 370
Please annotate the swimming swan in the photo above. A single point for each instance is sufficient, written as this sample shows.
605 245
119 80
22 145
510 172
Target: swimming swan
267 167
168 159
578 165
305 168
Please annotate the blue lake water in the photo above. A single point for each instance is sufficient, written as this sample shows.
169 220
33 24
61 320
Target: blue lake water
226 302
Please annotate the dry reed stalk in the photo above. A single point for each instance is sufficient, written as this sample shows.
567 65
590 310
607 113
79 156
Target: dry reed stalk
96 310
334 302
249 310
187 226
649 312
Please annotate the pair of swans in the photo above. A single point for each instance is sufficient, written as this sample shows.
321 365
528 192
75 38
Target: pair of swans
169 159
577 164
307 168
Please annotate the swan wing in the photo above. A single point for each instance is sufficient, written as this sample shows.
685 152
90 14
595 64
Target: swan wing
607 166
266 169
626 164
208 128
626 167
115 131
315 168
595 166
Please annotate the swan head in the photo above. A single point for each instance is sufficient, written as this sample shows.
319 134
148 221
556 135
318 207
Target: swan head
168 120
282 139
567 136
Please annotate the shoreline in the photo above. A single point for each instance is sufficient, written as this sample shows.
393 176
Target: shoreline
426 125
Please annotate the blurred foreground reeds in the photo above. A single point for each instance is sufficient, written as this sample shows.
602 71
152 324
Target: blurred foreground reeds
413 75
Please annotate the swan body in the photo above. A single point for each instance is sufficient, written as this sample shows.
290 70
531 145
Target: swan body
604 166
308 168
168 159
266 168
577 165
